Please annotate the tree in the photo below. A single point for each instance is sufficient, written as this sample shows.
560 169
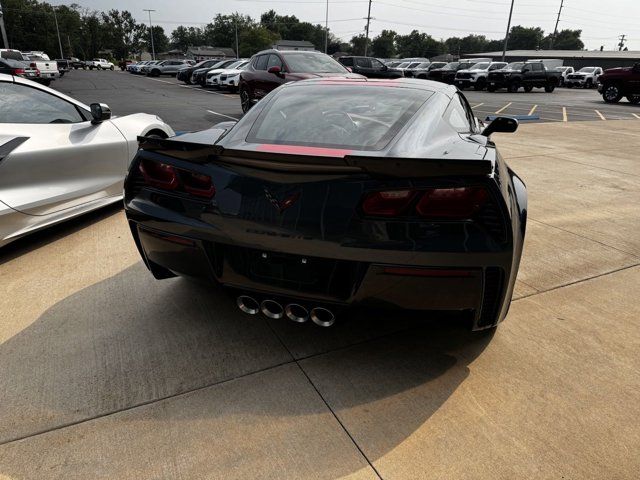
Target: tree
222 31
254 39
160 40
288 27
122 33
525 38
357 44
182 37
565 40
384 45
417 44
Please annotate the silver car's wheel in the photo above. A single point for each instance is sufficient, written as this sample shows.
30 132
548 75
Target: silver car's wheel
245 100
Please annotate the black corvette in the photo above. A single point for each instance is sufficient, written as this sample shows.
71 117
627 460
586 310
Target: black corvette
337 193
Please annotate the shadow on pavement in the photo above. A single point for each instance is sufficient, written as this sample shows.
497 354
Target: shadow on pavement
130 340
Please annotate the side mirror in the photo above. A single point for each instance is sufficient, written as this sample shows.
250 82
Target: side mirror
526 69
501 125
384 68
275 70
100 112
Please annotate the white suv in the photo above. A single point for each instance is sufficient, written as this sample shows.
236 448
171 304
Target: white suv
476 76
586 77
100 64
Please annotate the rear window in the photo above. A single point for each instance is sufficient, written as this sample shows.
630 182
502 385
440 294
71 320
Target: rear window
337 116
307 62
12 55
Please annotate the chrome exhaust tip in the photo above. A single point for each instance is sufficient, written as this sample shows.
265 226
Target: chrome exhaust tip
322 317
296 313
271 309
247 304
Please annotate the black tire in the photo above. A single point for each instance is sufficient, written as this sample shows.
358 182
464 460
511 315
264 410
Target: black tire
588 83
91 67
245 100
481 83
46 83
233 89
514 87
491 88
549 88
528 88
612 93
111 68
634 99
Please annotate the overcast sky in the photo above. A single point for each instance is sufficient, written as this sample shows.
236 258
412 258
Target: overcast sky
601 22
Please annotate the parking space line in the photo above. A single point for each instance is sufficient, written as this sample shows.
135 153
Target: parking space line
600 115
636 115
504 108
533 109
222 115
234 97
163 81
478 105
565 118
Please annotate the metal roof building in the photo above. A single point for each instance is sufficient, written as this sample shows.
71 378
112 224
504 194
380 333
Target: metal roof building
573 58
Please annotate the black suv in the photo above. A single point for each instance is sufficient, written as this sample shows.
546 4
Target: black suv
447 74
370 67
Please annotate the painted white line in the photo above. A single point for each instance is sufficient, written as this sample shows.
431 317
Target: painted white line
504 108
600 115
478 105
209 92
222 115
636 115
564 114
533 109
163 81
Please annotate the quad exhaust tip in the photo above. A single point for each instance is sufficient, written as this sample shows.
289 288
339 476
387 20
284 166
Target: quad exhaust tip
248 304
296 313
271 309
322 317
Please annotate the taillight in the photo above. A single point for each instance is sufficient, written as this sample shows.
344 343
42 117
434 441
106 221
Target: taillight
451 203
18 71
391 203
159 175
456 203
167 177
197 184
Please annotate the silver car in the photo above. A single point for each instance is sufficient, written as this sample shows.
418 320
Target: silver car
60 158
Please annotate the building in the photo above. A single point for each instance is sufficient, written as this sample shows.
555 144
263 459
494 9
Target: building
210 53
293 45
173 54
572 58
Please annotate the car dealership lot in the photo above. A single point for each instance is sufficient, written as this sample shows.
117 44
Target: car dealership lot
107 373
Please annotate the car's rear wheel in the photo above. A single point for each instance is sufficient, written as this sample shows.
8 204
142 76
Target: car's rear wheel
588 83
491 88
528 88
612 93
111 68
245 100
480 84
514 87
549 88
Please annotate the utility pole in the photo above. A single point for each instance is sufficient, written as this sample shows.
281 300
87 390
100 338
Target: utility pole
2 30
55 17
153 48
621 44
366 43
326 28
506 37
555 30
237 47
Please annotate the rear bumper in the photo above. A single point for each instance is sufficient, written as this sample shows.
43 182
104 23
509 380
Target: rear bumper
477 283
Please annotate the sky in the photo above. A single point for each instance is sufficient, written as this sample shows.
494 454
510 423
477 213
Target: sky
439 18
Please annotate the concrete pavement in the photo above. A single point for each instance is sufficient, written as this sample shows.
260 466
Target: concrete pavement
107 373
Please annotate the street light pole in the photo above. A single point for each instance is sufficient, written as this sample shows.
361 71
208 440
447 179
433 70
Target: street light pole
555 30
506 37
326 28
55 17
366 42
153 48
2 30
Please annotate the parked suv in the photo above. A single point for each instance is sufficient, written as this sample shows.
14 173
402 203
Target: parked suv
100 64
586 77
184 73
423 69
271 68
447 74
167 67
370 67
534 74
476 76
616 83
564 72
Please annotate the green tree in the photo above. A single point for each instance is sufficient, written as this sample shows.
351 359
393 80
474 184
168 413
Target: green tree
254 39
222 31
384 45
160 40
525 38
565 40
358 43
417 44
183 37
122 33
288 27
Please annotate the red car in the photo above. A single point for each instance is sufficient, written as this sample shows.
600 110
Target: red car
271 68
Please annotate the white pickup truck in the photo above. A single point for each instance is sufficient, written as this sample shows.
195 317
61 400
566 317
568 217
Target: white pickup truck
48 68
100 64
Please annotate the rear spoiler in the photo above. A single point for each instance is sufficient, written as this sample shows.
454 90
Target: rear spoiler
309 164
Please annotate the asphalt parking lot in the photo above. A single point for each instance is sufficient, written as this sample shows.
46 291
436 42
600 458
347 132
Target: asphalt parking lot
193 108
108 373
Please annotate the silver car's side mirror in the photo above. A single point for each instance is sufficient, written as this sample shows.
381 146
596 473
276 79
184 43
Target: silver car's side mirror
100 112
